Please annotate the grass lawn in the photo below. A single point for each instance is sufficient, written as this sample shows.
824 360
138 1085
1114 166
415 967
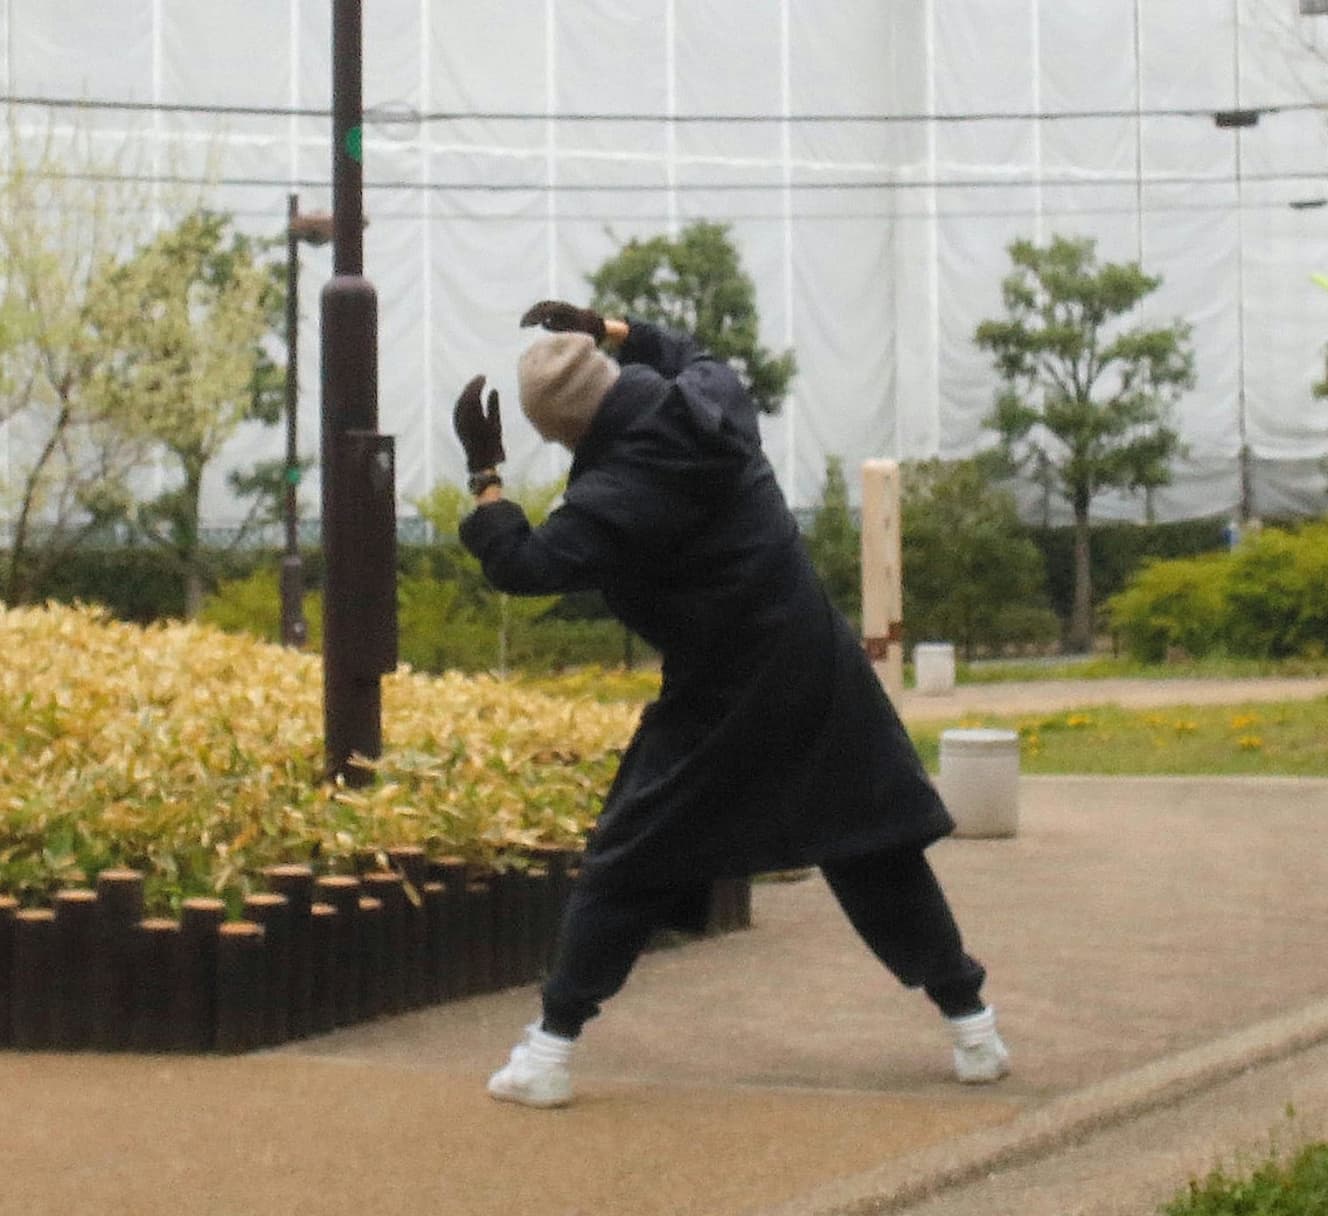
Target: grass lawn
1258 739
1109 667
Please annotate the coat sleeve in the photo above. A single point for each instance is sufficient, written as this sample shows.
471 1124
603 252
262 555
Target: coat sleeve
619 520
570 551
662 349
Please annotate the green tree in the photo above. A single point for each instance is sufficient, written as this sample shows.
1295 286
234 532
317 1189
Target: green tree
473 604
971 575
835 543
187 315
1084 400
66 205
696 284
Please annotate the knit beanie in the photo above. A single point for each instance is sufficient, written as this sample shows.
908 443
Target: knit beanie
563 378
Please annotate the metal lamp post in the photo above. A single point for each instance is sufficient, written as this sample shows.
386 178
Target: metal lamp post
314 228
1237 121
358 464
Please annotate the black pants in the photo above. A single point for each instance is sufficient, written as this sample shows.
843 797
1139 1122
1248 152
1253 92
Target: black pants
892 899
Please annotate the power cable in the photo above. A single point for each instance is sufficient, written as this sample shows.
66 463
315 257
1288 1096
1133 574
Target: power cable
725 187
390 113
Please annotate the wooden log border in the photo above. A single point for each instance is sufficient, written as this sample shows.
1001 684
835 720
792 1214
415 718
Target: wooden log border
310 954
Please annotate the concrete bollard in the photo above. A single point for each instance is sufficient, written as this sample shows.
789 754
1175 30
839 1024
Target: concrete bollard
934 668
979 781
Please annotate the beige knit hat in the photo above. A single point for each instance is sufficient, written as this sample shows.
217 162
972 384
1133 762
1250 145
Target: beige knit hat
562 380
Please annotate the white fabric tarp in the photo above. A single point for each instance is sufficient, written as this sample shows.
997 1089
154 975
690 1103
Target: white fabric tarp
877 241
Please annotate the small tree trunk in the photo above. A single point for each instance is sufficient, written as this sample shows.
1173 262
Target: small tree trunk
188 541
1081 620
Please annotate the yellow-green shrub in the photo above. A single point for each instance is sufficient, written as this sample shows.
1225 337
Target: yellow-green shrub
195 755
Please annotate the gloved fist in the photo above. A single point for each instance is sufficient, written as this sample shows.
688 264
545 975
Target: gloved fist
560 317
480 431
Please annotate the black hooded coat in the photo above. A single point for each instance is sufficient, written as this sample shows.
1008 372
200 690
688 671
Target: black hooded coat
772 744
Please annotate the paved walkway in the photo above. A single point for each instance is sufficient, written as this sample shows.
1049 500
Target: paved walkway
1150 941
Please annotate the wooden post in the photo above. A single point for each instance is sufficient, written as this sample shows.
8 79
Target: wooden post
480 926
119 909
412 863
241 987
296 883
272 911
372 940
437 941
75 947
882 573
34 978
451 872
200 921
155 974
323 920
342 891
8 910
387 887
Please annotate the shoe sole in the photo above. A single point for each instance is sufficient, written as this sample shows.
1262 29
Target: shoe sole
534 1103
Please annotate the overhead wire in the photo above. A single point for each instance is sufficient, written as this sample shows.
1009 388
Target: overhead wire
394 113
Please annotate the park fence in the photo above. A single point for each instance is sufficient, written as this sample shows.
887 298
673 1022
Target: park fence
308 955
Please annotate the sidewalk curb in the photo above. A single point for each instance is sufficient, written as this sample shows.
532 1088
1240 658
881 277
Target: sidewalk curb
1063 1121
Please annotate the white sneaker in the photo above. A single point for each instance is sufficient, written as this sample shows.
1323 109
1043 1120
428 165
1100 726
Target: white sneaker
979 1055
537 1072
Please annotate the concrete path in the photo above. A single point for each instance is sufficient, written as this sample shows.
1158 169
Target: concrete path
1050 695
1150 942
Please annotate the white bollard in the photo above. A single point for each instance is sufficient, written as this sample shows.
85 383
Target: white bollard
979 781
934 667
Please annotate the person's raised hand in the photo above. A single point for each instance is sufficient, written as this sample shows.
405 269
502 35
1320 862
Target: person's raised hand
561 317
480 430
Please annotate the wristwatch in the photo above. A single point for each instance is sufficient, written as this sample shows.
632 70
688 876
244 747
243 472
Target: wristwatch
480 481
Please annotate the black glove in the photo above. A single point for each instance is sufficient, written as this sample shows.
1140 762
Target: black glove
564 318
480 432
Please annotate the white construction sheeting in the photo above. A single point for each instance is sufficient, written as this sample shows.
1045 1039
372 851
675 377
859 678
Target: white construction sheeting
877 241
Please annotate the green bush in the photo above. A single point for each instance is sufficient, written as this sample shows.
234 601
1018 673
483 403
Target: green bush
439 627
1118 551
1170 605
253 605
1277 601
134 584
1297 1188
1266 600
971 575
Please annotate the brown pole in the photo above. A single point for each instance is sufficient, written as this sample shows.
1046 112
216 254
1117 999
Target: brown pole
358 464
294 628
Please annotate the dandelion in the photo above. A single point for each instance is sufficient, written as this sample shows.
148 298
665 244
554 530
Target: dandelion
1250 743
1185 727
1078 721
1244 721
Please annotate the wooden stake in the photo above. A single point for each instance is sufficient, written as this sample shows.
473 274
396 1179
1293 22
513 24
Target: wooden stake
882 573
196 996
